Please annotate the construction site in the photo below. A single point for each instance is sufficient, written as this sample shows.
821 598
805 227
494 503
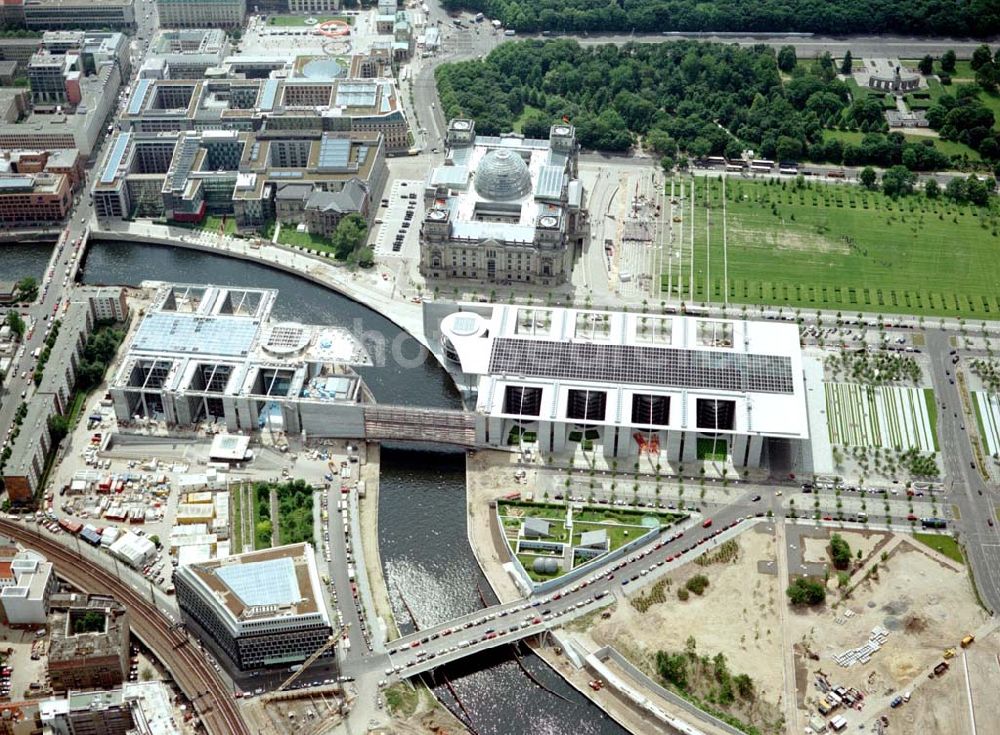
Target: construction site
869 652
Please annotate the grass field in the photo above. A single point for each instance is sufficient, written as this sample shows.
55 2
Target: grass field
987 406
948 147
879 416
710 450
839 247
524 113
963 69
291 236
943 544
235 520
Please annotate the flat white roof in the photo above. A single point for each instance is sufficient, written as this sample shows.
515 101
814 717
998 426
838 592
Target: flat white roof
229 447
757 365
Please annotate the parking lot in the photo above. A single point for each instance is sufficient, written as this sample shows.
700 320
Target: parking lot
398 220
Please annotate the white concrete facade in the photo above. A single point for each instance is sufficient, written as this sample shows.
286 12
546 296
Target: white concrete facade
684 388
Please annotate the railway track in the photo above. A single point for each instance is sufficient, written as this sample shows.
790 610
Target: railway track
210 697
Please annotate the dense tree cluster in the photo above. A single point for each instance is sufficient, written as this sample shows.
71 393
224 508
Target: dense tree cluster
840 552
938 17
964 117
806 591
696 98
705 98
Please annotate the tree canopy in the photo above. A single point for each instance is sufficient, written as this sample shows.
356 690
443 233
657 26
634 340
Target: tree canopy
698 99
978 18
806 591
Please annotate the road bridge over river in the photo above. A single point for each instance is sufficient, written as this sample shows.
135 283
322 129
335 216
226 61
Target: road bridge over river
535 614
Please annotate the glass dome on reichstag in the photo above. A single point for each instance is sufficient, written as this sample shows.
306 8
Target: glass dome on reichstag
502 175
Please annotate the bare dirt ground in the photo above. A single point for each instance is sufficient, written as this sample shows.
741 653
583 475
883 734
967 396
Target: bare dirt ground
368 514
942 706
815 549
926 605
736 616
428 718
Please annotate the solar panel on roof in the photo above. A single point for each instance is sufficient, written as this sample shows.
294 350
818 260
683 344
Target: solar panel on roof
166 332
269 94
668 366
115 159
183 161
135 104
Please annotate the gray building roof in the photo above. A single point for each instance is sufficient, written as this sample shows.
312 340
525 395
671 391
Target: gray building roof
25 447
293 192
536 527
594 539
349 199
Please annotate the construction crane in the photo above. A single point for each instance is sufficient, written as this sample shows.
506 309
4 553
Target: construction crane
330 642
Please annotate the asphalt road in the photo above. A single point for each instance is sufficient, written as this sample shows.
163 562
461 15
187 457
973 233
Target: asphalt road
975 499
54 289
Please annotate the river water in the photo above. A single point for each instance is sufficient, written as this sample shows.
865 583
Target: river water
19 260
422 526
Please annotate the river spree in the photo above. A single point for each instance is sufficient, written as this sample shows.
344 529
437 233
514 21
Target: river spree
422 522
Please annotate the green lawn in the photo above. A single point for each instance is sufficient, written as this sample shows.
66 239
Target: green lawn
992 101
402 699
948 147
289 235
618 535
527 560
943 544
300 20
534 510
211 223
932 415
963 69
712 451
235 521
524 113
841 247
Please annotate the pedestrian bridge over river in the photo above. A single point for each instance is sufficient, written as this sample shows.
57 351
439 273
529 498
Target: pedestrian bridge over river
409 423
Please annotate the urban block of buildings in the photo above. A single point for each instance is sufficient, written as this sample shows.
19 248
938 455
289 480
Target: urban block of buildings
185 53
74 78
48 15
23 470
136 708
504 209
213 355
274 108
301 179
88 642
679 388
201 13
263 608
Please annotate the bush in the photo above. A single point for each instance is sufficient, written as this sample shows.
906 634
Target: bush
840 552
683 594
805 591
697 584
673 668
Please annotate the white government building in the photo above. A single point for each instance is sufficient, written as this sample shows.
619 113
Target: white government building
681 387
213 355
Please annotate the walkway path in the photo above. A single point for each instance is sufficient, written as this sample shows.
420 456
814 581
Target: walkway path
789 695
374 288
